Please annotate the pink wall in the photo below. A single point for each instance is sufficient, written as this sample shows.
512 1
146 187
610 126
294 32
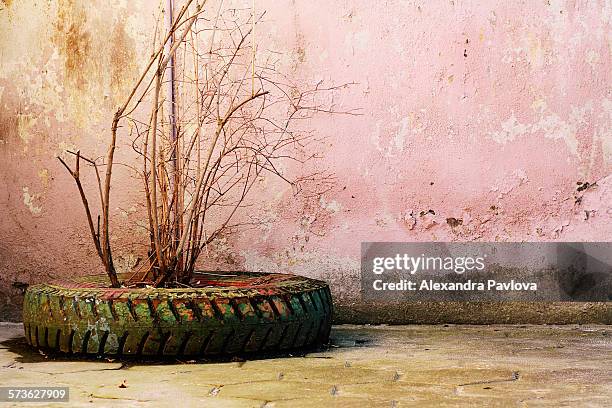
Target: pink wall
488 113
485 112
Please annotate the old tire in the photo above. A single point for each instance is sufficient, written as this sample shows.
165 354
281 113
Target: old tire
232 314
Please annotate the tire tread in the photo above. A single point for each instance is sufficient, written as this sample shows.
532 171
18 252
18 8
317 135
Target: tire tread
76 321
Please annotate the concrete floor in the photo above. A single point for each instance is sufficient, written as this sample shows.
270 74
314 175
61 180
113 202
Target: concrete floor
386 366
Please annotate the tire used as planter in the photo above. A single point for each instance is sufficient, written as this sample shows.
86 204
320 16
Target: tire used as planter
225 313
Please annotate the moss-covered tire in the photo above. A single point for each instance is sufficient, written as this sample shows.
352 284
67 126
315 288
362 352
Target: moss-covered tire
227 314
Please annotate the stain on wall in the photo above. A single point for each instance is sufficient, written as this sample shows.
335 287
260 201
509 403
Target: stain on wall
73 42
122 62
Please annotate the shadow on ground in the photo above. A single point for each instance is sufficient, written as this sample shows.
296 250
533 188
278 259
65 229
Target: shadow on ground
24 353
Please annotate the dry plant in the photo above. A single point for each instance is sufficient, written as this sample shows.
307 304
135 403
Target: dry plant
218 116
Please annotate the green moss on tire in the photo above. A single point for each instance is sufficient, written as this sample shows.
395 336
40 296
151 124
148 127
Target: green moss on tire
247 313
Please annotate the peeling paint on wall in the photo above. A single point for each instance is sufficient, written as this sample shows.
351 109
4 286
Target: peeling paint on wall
25 125
552 126
332 206
510 130
43 175
30 201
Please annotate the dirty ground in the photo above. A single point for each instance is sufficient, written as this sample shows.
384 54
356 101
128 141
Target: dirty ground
379 366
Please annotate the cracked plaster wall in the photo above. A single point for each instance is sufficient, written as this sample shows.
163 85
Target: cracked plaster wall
478 121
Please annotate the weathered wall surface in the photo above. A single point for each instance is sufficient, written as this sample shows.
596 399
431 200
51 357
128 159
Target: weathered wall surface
478 119
64 66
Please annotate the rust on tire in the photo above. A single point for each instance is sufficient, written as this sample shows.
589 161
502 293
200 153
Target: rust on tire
224 313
